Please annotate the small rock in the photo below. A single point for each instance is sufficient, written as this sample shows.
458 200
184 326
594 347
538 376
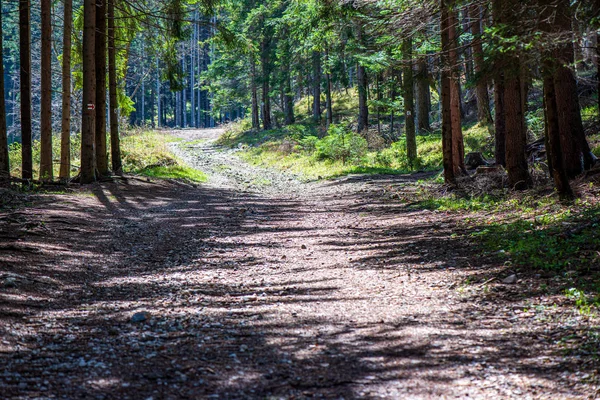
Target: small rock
140 317
510 279
303 247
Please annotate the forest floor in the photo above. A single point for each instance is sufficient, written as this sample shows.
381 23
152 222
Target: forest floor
258 286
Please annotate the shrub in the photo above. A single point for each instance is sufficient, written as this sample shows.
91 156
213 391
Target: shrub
340 144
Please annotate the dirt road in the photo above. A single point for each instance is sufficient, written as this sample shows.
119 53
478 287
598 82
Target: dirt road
258 286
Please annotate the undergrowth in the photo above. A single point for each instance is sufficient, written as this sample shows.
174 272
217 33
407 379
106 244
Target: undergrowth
306 150
142 152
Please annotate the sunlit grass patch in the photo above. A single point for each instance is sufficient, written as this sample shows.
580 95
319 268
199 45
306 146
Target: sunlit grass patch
175 172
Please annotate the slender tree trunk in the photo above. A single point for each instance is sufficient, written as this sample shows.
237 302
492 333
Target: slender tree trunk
423 96
554 150
100 56
329 105
393 95
316 59
409 104
25 78
484 115
192 83
447 148
266 77
576 150
458 149
46 172
158 96
361 78
378 79
363 110
65 136
88 113
115 141
4 161
253 77
500 115
288 99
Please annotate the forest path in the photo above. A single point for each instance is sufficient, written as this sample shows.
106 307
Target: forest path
157 290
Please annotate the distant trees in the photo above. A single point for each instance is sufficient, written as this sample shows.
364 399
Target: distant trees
419 67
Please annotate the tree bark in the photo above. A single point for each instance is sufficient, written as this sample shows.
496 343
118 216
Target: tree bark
255 113
115 141
88 113
484 115
100 55
46 170
4 161
363 110
25 83
266 77
554 147
423 96
65 135
577 155
447 148
516 140
458 149
409 106
361 78
316 81
288 99
500 116
329 105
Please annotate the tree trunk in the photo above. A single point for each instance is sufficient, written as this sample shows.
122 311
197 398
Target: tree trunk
65 135
361 78
423 96
500 116
288 98
363 110
88 112
554 147
115 141
328 100
192 70
266 77
484 115
316 81
516 140
46 172
4 161
458 149
577 155
158 95
409 100
25 83
255 113
100 50
446 102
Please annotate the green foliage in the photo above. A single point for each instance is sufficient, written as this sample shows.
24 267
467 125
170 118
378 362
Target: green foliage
545 241
147 149
582 302
341 144
175 172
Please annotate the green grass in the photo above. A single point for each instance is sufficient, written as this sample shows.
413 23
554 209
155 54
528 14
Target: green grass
286 149
175 172
143 152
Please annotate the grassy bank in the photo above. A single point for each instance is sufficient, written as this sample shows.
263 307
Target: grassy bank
143 153
305 151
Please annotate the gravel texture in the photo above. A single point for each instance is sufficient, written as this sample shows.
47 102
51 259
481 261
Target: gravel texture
258 286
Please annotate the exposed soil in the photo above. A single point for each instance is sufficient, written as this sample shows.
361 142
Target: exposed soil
256 286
